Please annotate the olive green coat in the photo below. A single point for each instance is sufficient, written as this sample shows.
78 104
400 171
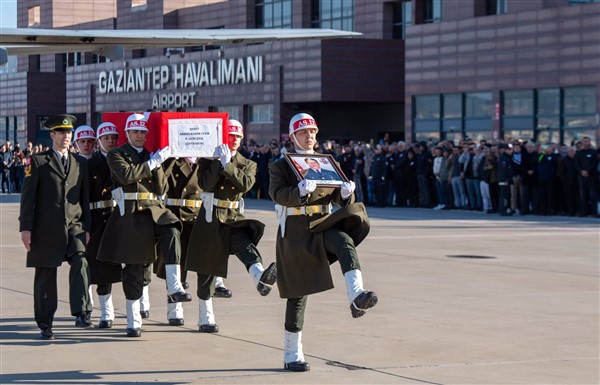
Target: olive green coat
182 180
208 250
55 208
130 238
302 261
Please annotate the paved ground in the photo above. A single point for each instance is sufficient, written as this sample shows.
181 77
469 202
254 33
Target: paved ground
527 313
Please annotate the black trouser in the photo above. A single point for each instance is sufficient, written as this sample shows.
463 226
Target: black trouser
132 278
504 204
587 195
104 289
241 245
45 291
168 242
342 246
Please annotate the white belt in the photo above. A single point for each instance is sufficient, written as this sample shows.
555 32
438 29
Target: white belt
139 196
225 204
196 203
309 210
102 204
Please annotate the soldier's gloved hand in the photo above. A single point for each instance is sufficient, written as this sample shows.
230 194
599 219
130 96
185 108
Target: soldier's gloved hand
156 158
224 154
347 189
306 187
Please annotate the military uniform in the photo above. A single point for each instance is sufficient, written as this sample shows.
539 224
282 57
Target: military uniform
102 274
225 230
228 185
55 209
311 237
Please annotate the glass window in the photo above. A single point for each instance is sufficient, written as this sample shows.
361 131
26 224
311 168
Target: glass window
572 2
478 105
518 103
402 17
233 111
432 11
496 7
452 106
139 4
260 113
427 107
33 16
273 13
548 102
334 14
580 100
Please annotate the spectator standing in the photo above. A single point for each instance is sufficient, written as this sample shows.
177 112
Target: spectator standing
586 161
379 170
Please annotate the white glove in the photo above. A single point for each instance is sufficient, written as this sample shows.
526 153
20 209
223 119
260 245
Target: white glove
306 186
347 189
192 160
224 154
156 158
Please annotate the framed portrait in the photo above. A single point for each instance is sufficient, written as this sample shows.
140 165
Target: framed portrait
321 168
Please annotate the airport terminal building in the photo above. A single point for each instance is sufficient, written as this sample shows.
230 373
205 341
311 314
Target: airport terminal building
422 69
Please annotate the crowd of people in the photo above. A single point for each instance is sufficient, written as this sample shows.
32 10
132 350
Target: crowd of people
508 177
543 179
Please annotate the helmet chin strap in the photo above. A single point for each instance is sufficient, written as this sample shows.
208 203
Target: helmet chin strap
297 143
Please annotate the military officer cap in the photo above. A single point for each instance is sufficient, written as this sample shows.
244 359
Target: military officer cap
61 122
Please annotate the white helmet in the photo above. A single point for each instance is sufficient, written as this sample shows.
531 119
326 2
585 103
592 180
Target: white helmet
235 128
84 132
136 122
106 128
302 121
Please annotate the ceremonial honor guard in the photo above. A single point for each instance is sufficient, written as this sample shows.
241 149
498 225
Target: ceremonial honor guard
183 199
221 228
141 224
102 274
311 237
54 223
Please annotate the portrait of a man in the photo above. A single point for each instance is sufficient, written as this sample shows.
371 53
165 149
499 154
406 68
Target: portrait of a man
316 172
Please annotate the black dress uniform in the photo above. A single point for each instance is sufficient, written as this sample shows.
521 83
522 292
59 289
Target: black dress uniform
55 209
102 274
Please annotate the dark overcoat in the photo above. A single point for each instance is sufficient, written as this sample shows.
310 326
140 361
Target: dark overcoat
182 180
129 238
101 185
208 250
55 208
302 261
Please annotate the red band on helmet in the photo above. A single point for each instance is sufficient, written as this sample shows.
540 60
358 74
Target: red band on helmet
303 123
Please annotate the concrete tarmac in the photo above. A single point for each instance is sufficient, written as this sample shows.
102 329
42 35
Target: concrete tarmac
464 298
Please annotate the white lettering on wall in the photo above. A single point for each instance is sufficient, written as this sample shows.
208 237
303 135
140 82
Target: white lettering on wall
182 75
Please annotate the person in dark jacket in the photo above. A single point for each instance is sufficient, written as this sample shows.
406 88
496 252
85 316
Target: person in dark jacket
102 274
378 174
568 175
586 162
54 222
310 237
222 229
505 176
528 178
546 173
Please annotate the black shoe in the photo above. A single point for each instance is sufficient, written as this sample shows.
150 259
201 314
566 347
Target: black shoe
136 332
47 334
179 297
298 366
267 279
222 292
210 328
185 285
364 301
176 321
105 324
145 313
83 321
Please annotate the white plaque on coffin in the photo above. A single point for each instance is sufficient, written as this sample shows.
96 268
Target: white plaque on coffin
195 137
